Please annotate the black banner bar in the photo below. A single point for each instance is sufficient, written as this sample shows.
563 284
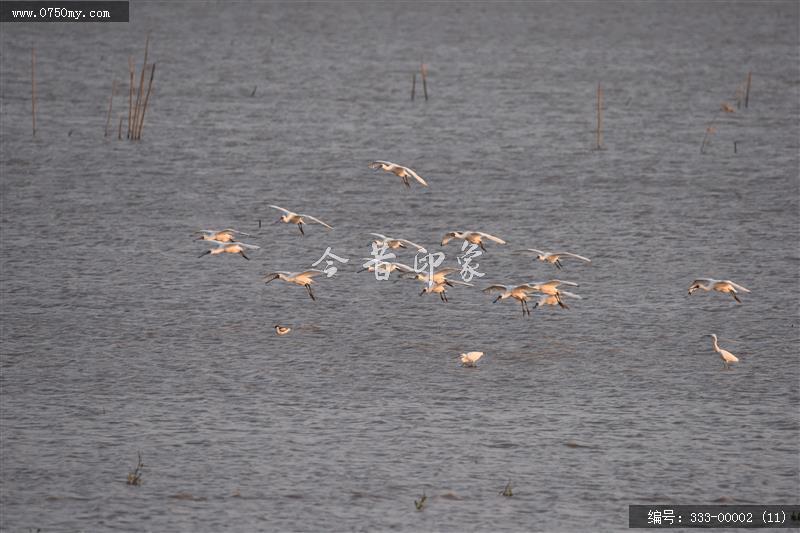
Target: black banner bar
714 516
85 11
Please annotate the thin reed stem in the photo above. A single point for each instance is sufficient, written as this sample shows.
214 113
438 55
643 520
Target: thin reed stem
110 104
146 99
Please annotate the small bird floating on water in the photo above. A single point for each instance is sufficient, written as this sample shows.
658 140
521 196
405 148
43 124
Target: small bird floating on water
282 330
470 359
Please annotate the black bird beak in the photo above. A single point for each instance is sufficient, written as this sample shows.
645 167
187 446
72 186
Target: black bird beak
204 253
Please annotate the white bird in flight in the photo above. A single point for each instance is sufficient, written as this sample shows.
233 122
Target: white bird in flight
303 279
230 248
226 235
726 356
520 293
398 170
554 258
441 288
436 288
385 266
392 243
472 237
719 285
548 299
290 217
551 287
470 359
439 276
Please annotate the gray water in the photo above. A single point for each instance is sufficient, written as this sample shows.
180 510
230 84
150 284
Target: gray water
117 338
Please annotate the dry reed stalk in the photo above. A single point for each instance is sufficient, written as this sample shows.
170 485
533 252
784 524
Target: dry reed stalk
146 99
599 131
110 104
747 90
140 92
131 71
413 85
33 89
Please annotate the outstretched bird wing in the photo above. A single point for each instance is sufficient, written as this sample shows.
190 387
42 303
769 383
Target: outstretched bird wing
415 245
737 286
310 273
416 176
318 221
491 288
231 230
576 256
491 237
556 282
243 245
282 209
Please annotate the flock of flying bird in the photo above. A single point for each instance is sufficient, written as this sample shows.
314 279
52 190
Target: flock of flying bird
437 282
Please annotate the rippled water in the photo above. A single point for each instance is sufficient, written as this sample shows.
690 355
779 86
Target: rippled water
117 338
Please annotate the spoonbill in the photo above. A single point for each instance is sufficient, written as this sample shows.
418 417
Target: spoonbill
554 258
472 237
290 217
230 248
441 288
719 285
226 235
726 356
398 170
547 299
519 293
439 276
551 287
303 279
392 243
385 266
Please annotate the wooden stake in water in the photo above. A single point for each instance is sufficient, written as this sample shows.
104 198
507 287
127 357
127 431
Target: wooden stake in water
413 85
146 99
599 131
747 90
424 70
33 89
119 131
110 103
